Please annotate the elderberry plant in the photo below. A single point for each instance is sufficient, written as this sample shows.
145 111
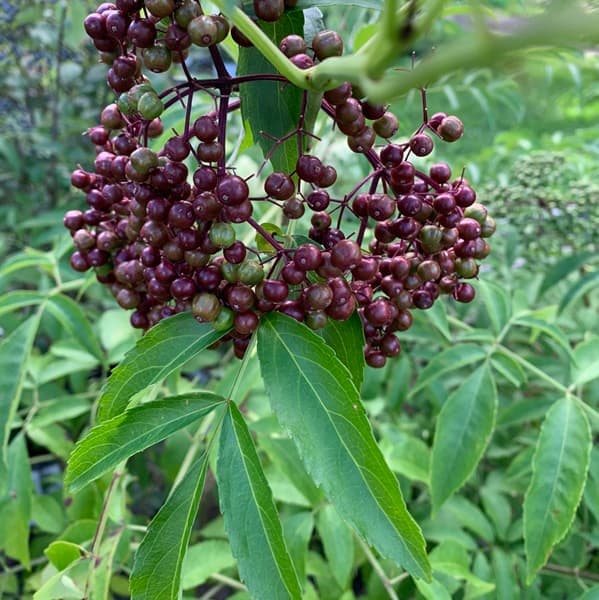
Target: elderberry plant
175 233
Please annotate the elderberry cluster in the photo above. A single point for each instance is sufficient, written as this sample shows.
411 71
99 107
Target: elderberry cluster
163 227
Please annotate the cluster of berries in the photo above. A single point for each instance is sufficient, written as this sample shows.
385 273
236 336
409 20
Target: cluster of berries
161 230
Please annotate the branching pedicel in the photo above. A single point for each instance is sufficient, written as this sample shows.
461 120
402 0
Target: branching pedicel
163 245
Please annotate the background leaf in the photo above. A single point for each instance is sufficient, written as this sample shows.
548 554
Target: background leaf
159 559
165 347
14 352
463 429
313 396
115 440
251 518
560 465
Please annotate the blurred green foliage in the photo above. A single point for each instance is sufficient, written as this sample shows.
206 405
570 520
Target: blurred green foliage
531 146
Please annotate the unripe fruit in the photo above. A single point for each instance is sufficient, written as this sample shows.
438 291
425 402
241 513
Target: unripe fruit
150 106
203 31
222 235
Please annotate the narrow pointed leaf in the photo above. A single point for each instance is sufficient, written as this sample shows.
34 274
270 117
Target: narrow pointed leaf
14 351
338 543
115 440
73 319
559 466
314 398
347 340
18 299
158 561
464 427
449 360
166 347
251 518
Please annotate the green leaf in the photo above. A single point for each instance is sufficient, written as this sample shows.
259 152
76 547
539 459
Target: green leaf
115 440
283 454
297 531
347 340
19 299
315 400
15 505
451 359
73 319
406 454
14 353
338 543
583 286
497 302
559 469
507 587
61 554
251 518
165 347
463 429
586 367
562 268
204 559
498 508
159 559
550 330
272 108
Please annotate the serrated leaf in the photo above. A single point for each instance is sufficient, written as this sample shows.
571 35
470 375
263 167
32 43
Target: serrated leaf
451 359
165 347
463 430
315 400
272 108
14 352
338 543
73 319
119 438
559 469
562 268
251 518
347 340
156 573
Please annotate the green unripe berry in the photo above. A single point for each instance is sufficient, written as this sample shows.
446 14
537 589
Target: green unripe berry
203 31
488 227
160 8
205 307
125 104
431 238
317 319
222 235
251 272
137 91
188 11
158 58
144 160
150 106
477 212
466 267
230 272
224 319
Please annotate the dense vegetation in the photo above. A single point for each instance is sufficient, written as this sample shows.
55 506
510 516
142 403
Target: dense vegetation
518 365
